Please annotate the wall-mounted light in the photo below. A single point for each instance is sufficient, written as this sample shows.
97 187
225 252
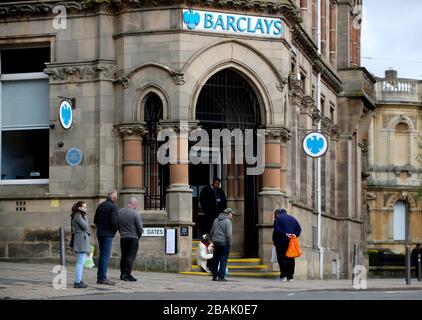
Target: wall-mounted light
60 144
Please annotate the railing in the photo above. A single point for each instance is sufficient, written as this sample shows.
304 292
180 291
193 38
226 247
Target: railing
403 90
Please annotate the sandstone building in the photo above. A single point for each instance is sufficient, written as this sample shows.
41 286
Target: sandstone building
131 68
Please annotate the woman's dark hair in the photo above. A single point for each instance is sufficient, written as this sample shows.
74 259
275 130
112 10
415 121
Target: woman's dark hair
75 209
205 238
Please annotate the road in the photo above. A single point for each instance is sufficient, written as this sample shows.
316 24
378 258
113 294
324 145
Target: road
224 295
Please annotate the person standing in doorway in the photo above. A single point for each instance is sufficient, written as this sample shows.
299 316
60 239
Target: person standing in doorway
81 242
213 202
285 227
105 220
221 236
130 229
414 257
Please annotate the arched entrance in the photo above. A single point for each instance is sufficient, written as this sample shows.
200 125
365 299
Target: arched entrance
227 100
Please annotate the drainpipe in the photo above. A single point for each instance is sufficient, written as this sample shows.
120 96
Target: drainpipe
318 89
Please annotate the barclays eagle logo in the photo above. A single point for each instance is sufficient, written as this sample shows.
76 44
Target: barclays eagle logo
191 19
315 145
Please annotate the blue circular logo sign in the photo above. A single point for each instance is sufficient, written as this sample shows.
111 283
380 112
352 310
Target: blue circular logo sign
315 144
65 114
191 19
74 157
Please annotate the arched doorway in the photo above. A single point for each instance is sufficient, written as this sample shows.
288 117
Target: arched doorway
227 100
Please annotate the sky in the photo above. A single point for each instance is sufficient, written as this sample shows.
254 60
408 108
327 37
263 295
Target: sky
392 37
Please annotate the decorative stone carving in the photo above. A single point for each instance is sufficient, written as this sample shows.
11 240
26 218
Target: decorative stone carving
178 77
295 90
16 9
281 84
282 133
307 104
82 72
328 125
126 130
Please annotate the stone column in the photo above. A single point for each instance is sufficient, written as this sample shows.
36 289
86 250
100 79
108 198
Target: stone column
179 194
132 162
270 196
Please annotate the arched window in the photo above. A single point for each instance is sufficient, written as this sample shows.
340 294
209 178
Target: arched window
401 144
156 176
399 219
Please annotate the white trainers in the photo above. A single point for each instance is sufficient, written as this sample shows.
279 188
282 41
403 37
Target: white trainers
290 280
283 279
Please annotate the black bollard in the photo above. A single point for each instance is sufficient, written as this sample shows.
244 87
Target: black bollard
419 267
62 248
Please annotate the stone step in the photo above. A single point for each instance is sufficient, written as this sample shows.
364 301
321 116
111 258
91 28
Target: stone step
257 268
271 275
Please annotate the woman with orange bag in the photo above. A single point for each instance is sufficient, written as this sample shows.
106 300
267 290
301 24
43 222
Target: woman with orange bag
285 228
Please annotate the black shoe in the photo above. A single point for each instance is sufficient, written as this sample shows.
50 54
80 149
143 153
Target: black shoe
222 279
124 277
131 278
106 282
214 279
80 285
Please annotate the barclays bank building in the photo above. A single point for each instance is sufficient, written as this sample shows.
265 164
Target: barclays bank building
87 86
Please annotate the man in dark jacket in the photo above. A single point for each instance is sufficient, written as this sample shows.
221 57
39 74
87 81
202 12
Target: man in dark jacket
221 236
130 229
285 227
213 202
105 220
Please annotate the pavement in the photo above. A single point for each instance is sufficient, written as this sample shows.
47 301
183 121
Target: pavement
38 281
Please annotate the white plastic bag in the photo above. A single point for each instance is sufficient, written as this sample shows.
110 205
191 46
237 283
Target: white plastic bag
273 254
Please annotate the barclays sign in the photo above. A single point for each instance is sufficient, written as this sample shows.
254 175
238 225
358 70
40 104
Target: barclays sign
232 23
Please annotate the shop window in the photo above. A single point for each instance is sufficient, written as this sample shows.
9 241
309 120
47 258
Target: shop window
24 115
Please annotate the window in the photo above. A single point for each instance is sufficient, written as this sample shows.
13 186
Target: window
156 175
303 82
24 115
399 220
322 106
332 109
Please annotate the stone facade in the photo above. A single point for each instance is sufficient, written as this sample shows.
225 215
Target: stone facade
394 163
113 55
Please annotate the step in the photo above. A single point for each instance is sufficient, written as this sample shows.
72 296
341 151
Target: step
258 268
240 261
271 275
234 255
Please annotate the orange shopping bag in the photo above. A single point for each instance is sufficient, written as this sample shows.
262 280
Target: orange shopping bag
293 251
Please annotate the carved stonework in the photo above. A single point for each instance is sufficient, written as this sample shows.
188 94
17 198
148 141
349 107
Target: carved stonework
36 8
295 90
127 130
178 77
306 105
328 125
82 72
282 84
282 133
386 119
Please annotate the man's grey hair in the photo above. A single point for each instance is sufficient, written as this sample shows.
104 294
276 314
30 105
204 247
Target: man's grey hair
111 192
133 200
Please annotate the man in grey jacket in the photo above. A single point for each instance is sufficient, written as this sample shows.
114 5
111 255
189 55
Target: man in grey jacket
221 235
130 229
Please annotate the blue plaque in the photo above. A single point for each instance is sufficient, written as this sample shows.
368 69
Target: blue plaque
74 157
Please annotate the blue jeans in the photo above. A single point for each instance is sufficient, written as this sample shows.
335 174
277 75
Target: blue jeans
221 254
81 257
105 244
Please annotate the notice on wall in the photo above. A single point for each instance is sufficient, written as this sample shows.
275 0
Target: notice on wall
170 241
